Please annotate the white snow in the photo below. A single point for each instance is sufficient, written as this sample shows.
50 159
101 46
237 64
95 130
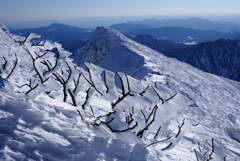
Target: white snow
41 126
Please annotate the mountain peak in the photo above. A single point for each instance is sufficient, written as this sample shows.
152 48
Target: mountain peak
106 32
111 50
63 27
57 25
104 28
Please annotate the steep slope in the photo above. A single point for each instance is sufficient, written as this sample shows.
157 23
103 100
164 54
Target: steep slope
59 111
221 57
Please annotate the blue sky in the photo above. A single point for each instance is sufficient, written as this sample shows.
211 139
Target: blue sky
29 10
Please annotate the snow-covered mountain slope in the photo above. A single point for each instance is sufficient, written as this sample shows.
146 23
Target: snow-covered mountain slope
46 113
108 48
51 109
214 97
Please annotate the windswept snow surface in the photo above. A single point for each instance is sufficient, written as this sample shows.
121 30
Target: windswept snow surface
164 111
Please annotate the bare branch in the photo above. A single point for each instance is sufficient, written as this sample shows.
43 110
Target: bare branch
39 43
92 111
160 141
132 109
159 97
101 116
44 62
141 132
196 154
35 68
120 99
170 97
87 97
129 119
73 98
225 158
30 86
212 150
76 83
107 123
179 128
129 128
47 63
5 63
196 124
203 155
144 116
153 111
128 84
63 82
13 66
144 91
105 81
39 56
167 147
157 132
91 81
122 84
25 39
80 114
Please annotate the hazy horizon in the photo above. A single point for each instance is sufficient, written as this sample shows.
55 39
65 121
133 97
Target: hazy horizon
92 22
13 12
28 10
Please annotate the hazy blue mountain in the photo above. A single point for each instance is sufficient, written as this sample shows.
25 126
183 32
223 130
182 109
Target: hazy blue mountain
178 34
234 34
72 38
158 44
195 23
129 26
57 32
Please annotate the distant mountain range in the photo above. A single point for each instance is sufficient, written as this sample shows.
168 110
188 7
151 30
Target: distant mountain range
178 30
72 38
130 26
194 23
192 30
178 34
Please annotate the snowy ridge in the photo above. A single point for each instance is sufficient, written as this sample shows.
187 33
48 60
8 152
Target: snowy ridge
88 113
212 95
